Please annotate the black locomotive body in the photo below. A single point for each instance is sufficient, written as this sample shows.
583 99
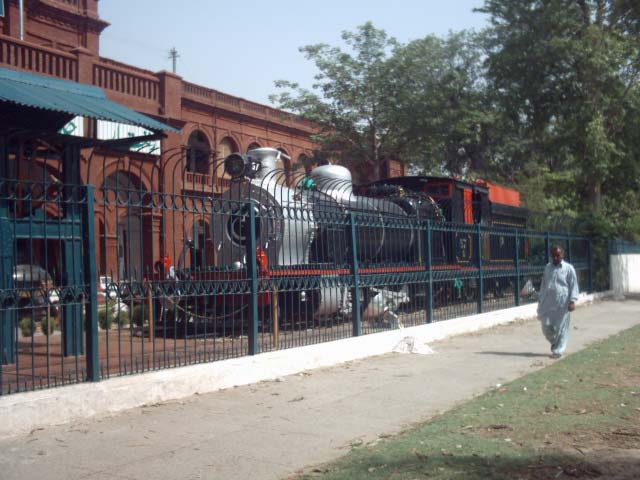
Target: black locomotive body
465 204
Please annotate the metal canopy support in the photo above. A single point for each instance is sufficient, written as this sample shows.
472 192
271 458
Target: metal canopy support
7 315
72 323
90 276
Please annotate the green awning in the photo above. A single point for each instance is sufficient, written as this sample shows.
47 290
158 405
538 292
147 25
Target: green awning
37 91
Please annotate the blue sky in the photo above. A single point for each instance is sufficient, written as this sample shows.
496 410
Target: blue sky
242 47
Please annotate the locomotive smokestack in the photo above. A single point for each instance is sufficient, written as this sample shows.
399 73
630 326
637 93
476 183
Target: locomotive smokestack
267 157
259 163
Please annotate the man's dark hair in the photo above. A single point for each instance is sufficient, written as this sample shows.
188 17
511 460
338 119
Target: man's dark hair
557 247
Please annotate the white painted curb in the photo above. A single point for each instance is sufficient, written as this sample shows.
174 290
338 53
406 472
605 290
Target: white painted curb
23 412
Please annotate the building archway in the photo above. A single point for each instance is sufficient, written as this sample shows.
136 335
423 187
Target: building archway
198 151
127 250
203 251
226 147
253 146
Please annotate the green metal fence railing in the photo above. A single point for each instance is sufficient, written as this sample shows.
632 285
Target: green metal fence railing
116 279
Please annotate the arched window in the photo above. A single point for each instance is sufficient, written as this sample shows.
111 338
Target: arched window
132 236
226 147
253 146
198 153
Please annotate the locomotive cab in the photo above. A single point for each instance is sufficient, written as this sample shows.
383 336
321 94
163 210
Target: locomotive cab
466 203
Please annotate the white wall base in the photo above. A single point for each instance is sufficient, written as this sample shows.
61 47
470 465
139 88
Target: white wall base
625 273
23 412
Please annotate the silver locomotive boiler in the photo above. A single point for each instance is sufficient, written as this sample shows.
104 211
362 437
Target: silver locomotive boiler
304 232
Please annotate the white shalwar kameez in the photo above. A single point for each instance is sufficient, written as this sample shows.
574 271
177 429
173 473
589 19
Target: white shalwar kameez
559 287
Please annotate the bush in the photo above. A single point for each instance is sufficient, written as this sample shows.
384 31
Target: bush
112 312
43 325
27 327
104 317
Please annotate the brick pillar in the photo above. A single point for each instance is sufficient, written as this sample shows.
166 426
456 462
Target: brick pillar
85 65
12 20
170 95
170 186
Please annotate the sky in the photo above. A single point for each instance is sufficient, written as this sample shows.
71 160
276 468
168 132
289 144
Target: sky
241 47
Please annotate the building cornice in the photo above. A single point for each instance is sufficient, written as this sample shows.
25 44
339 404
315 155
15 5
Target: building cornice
246 116
60 13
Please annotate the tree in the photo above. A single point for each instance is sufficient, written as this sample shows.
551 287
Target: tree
442 104
564 73
420 103
352 101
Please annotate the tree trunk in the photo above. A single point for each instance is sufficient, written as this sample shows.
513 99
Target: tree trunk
594 194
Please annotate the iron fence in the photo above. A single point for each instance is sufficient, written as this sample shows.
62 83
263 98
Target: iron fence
148 270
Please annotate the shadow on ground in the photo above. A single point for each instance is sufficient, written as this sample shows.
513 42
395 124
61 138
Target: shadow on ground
538 467
514 354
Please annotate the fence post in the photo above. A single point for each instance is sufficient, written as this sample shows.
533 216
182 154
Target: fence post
547 246
590 270
252 276
569 248
90 280
429 265
7 315
517 258
480 275
355 292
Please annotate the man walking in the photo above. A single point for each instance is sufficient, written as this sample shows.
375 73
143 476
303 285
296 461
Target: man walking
558 293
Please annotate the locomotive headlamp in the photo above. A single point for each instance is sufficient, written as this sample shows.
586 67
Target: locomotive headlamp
238 165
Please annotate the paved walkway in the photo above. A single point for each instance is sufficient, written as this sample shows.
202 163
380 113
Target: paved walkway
273 429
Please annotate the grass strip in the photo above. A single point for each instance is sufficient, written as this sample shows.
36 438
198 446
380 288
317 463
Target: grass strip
578 418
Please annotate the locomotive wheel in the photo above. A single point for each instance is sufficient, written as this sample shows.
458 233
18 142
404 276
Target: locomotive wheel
501 286
418 295
470 293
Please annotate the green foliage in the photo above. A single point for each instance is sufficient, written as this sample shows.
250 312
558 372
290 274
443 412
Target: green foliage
564 76
48 324
352 98
27 326
546 100
441 102
110 312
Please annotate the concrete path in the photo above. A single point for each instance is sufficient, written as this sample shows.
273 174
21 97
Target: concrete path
273 429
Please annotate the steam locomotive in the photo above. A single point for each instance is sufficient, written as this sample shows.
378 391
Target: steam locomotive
323 228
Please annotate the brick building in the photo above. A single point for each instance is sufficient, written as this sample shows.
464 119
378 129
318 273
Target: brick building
61 39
